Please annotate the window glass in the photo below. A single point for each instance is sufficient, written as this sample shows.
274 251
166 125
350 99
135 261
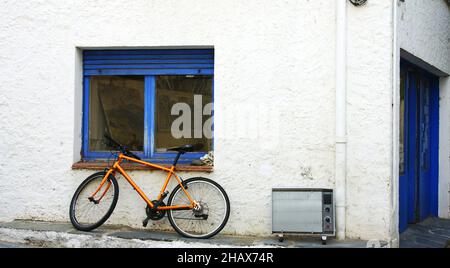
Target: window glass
183 111
116 108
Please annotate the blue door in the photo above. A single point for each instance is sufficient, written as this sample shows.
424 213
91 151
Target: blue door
419 145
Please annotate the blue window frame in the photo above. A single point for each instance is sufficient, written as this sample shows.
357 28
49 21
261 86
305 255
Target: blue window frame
149 64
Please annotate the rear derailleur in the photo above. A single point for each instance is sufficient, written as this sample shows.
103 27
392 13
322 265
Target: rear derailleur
201 211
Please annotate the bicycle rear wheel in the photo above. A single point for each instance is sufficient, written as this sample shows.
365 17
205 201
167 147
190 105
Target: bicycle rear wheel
88 213
206 220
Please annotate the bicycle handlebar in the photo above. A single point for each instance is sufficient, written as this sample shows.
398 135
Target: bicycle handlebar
121 148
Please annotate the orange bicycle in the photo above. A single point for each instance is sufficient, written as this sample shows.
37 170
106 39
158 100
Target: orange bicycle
196 208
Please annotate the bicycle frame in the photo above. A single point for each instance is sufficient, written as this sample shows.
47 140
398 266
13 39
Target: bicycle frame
171 173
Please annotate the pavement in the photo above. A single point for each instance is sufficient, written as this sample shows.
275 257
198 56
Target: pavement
20 233
431 233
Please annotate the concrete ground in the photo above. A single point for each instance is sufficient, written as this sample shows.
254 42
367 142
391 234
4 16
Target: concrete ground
50 234
432 233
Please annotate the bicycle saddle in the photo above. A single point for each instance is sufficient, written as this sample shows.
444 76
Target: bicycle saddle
186 148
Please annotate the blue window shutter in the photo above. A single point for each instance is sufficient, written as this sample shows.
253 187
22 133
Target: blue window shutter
149 62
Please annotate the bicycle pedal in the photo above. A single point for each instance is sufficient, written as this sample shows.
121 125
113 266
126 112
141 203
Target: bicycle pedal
145 222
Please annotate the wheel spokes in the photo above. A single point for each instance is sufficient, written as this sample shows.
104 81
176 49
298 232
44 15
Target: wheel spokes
88 212
213 205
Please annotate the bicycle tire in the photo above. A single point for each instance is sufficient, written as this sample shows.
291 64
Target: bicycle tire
76 195
189 182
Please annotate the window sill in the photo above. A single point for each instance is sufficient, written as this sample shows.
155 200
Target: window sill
133 167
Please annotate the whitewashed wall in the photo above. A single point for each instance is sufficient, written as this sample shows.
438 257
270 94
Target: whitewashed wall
424 31
267 52
424 37
369 176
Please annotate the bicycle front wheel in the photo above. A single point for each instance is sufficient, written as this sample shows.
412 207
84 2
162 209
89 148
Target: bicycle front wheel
89 211
207 219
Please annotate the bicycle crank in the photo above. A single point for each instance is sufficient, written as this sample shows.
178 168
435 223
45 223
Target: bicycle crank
155 215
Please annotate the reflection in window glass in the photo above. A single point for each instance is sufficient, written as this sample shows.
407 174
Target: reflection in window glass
171 90
116 108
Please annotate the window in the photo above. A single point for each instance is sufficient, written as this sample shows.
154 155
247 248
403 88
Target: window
148 100
116 107
181 89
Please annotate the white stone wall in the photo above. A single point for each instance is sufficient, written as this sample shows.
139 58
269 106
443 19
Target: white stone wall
424 31
369 107
267 52
444 149
424 37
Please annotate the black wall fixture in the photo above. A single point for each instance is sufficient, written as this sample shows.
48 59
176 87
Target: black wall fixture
358 2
